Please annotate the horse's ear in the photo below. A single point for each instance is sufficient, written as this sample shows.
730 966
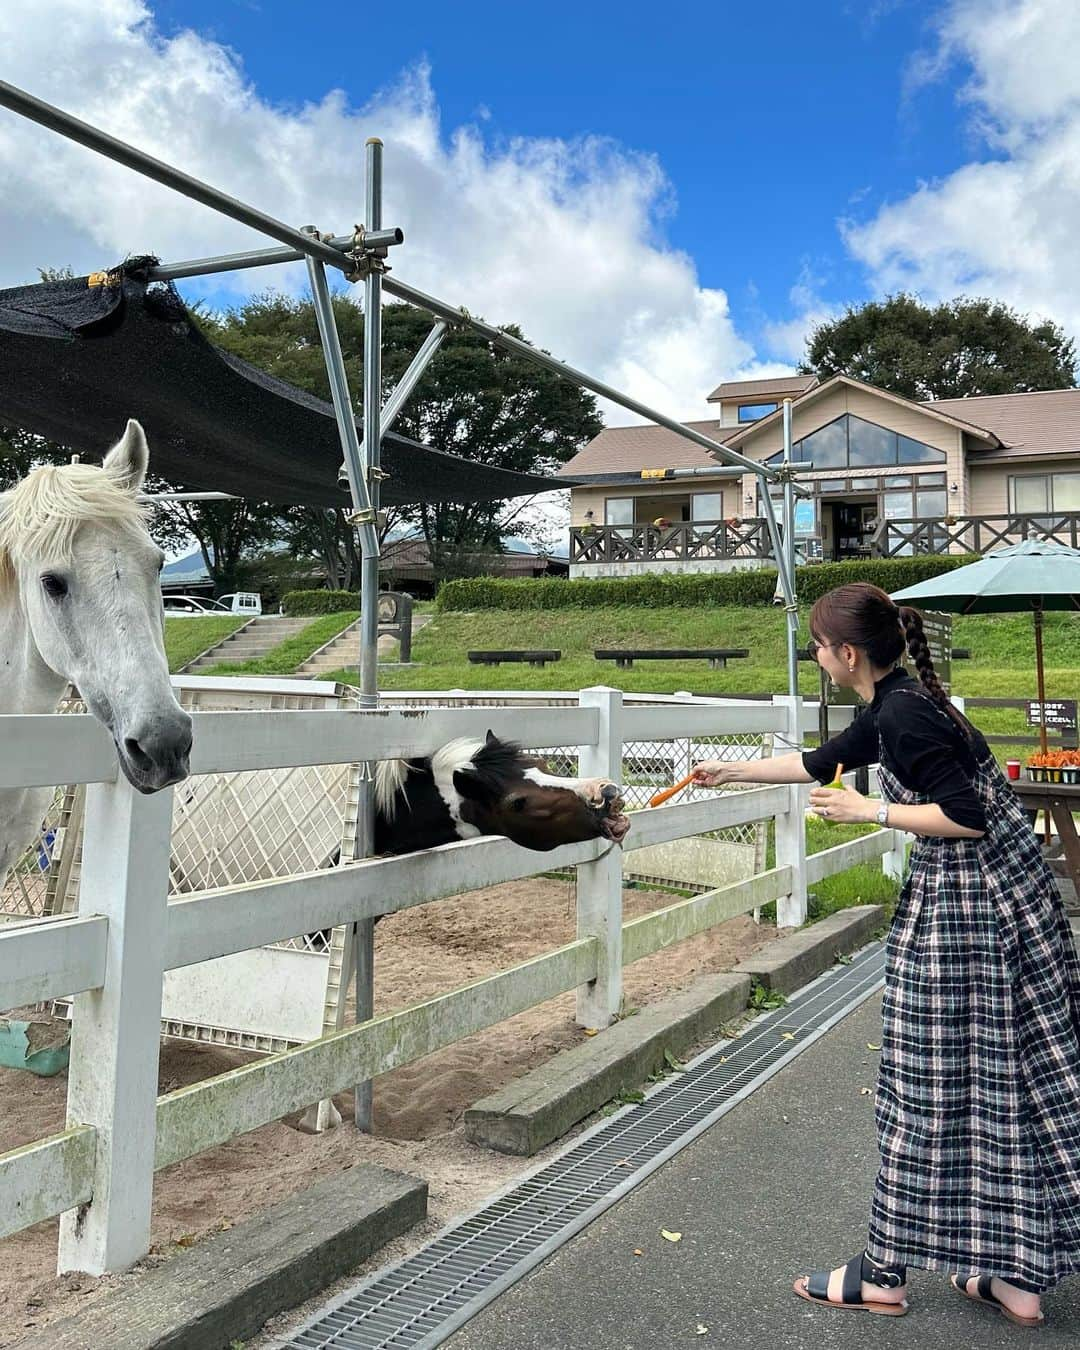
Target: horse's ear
126 462
472 787
492 739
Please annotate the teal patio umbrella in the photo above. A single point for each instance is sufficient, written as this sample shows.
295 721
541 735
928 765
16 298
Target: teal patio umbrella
1035 575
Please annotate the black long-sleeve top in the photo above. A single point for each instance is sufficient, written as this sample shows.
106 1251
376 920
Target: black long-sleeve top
919 743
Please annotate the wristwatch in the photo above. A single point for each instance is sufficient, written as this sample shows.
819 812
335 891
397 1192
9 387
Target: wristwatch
883 814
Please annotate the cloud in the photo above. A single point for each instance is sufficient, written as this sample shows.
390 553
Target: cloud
562 236
1005 225
786 338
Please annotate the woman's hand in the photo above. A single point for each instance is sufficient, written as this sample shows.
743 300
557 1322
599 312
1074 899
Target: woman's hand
713 772
843 806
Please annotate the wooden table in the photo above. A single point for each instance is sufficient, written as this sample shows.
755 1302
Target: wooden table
1061 801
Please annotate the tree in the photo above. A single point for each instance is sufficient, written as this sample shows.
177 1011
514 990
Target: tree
957 349
474 400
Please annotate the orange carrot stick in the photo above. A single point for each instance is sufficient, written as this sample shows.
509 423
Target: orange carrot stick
661 797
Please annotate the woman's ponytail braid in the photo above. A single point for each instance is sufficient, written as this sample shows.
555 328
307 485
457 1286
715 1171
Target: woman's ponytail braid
919 651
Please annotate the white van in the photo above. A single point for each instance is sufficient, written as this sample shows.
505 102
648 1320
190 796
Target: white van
248 603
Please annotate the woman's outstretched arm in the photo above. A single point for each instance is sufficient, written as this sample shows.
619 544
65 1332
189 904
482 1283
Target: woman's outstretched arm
777 769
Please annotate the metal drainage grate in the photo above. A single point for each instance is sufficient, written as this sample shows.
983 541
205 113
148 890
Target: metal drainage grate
422 1301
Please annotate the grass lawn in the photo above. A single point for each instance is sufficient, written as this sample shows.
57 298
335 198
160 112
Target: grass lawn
1002 666
186 638
1002 648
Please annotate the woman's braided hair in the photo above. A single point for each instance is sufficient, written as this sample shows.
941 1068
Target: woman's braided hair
866 617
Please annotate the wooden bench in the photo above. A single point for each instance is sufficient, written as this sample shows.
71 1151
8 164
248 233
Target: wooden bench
717 657
534 658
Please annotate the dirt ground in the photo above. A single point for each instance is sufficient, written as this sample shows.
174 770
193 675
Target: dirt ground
418 1109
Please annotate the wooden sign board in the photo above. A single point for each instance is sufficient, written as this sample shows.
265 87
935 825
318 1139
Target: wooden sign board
1060 713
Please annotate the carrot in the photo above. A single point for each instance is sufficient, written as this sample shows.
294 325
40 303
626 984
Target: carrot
661 797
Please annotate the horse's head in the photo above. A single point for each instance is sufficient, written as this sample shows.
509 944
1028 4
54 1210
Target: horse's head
74 542
508 793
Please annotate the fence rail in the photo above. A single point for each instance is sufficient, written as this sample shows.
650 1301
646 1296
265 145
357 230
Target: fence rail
98 1174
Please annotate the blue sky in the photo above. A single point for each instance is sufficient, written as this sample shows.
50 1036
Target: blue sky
771 122
667 199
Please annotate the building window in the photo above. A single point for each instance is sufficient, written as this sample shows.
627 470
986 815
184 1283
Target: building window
754 412
852 442
1036 494
619 511
707 506
924 501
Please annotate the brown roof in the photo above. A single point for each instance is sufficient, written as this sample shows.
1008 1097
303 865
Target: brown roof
778 385
737 435
627 450
1027 424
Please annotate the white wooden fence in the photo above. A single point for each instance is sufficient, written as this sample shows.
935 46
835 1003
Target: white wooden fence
98 1173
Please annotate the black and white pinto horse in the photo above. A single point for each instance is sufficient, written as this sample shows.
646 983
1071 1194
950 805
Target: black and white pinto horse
471 787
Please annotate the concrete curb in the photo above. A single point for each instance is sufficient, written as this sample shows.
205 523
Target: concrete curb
531 1112
538 1108
788 963
226 1287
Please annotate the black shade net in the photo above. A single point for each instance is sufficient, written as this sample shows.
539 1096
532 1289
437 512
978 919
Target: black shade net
77 360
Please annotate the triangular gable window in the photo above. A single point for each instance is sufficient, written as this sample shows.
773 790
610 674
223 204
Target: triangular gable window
850 442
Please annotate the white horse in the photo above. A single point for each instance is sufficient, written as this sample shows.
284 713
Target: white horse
80 602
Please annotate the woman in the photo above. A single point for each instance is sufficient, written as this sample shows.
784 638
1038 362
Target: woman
978 1101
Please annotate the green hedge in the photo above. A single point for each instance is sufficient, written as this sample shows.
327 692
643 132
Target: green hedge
299 603
661 590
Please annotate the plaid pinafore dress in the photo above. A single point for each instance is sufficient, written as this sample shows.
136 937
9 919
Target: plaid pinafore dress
978 1099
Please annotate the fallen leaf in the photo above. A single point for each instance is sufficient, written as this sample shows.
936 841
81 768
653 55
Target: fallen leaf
622 1162
638 1251
700 1329
591 1031
186 1240
865 1092
787 1035
871 1046
671 1237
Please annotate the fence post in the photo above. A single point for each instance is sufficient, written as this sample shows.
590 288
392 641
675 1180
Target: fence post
599 884
112 1081
791 825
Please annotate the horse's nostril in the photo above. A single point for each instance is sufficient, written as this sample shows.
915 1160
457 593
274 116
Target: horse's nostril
609 792
138 755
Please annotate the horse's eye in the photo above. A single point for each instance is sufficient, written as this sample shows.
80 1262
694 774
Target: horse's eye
54 587
517 803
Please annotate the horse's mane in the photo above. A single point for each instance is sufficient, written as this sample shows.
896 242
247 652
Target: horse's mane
492 762
41 515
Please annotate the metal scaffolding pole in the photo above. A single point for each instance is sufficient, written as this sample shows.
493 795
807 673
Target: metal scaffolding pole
442 310
47 116
791 601
372 240
364 932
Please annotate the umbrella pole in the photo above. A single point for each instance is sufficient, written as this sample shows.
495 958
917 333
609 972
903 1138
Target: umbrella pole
1041 677
1040 674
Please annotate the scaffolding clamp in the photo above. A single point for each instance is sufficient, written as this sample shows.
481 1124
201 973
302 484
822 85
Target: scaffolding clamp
366 261
363 516
377 475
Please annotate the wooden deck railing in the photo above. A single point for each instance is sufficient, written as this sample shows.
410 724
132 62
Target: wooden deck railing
683 542
971 534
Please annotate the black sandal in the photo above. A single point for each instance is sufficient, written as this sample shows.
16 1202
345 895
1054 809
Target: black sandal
815 1287
984 1294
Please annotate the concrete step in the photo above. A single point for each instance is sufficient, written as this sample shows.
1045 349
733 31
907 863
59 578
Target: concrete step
250 643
